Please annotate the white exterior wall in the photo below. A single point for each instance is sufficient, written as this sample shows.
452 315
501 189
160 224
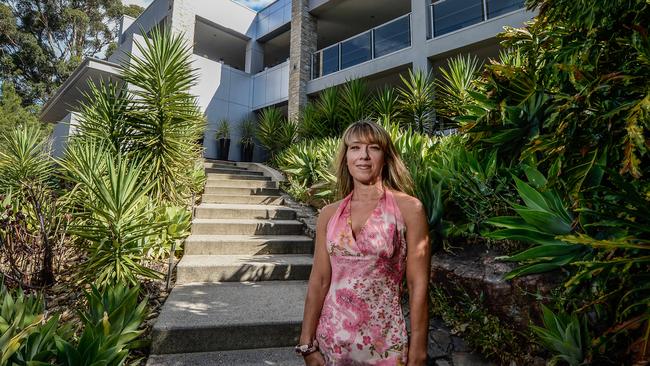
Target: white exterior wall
62 131
223 92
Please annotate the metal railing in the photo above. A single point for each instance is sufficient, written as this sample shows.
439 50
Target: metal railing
446 16
382 40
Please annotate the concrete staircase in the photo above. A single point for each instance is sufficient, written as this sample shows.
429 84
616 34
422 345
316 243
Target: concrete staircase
241 284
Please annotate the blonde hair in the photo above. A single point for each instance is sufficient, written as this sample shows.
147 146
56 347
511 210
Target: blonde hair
394 173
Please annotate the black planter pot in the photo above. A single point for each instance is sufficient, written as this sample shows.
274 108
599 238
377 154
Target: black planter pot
224 149
247 152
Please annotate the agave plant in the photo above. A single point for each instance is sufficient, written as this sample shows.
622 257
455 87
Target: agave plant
26 337
111 327
416 101
24 159
166 121
312 125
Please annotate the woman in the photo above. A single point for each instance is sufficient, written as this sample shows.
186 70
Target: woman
365 243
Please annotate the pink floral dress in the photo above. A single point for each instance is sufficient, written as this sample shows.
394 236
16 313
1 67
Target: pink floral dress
361 322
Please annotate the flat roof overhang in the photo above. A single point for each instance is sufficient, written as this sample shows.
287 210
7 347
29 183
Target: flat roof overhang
70 95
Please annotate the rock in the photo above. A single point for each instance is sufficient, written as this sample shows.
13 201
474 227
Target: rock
439 343
475 271
442 363
468 359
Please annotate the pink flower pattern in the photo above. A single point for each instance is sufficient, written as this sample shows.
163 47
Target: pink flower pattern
361 322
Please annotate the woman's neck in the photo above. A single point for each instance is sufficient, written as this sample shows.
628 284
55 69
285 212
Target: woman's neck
368 192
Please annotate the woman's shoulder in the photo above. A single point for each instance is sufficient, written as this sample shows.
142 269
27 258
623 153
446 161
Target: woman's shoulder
410 207
327 211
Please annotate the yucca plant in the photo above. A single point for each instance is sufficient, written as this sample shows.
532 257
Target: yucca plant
269 130
355 103
416 101
453 87
113 214
312 125
385 106
104 115
111 328
328 106
26 171
166 121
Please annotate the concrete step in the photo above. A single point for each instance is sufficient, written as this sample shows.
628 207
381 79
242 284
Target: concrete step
243 211
284 356
248 244
246 227
239 191
238 268
240 183
222 162
223 165
232 171
245 199
224 176
230 316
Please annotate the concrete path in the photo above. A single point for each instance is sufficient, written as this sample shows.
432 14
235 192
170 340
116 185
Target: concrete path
241 284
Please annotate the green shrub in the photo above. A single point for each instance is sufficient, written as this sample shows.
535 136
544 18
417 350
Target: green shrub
274 131
26 337
114 214
566 335
111 328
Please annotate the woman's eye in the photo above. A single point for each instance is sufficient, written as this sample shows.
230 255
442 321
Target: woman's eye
354 147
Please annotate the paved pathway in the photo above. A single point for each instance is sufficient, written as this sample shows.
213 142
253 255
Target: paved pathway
241 284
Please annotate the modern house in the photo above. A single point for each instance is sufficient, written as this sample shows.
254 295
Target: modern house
293 49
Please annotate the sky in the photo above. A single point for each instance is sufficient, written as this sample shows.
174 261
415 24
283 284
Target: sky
253 4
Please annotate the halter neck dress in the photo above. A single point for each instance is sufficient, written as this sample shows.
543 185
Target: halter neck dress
361 322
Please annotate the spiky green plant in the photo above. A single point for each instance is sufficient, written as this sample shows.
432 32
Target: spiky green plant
416 101
355 102
114 214
166 119
453 87
385 106
270 132
328 105
104 115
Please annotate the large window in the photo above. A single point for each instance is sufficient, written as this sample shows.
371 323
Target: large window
356 50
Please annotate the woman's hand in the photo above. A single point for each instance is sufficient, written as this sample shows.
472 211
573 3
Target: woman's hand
315 359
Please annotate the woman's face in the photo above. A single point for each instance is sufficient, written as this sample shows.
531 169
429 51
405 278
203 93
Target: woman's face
365 160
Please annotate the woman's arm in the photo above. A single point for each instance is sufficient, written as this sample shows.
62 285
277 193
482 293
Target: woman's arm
319 279
418 265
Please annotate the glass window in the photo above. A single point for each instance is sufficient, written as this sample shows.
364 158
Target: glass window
330 60
450 15
498 7
356 50
392 37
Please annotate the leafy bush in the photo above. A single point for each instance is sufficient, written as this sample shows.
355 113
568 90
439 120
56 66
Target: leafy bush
416 101
453 88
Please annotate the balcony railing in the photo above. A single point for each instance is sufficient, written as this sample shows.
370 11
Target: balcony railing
376 42
447 16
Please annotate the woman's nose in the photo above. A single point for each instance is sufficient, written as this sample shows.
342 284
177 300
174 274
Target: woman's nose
365 153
